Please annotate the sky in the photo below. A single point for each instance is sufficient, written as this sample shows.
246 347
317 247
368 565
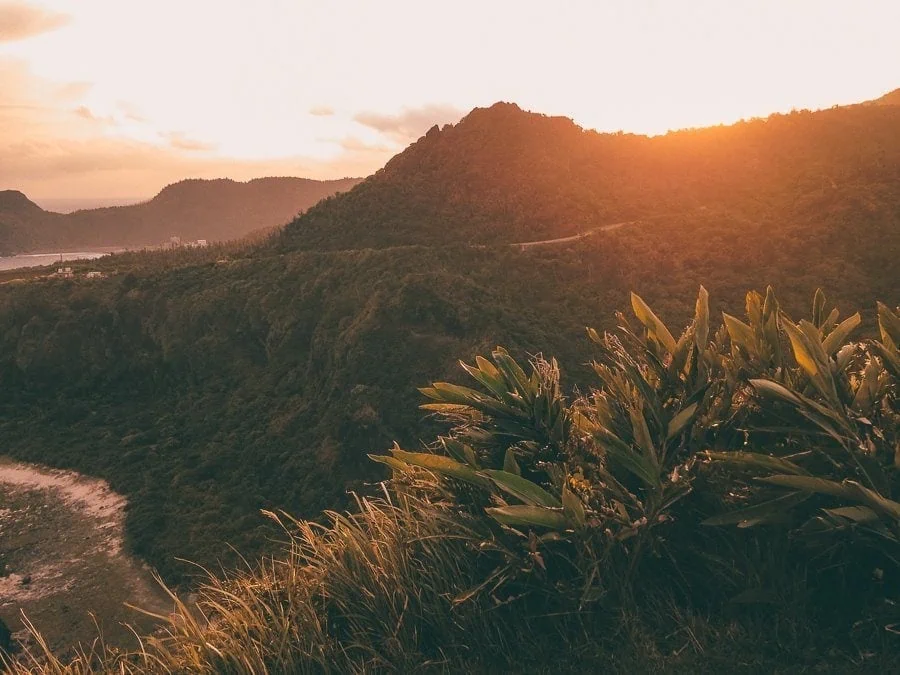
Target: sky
104 100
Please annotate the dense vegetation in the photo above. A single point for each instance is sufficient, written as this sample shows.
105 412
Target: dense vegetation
545 533
208 384
215 210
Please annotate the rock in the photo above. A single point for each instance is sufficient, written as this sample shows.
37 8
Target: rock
5 638
26 580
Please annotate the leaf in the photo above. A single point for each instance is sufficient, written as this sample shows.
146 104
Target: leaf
509 463
572 507
680 421
635 463
841 332
818 312
654 325
446 408
771 389
740 333
443 465
642 435
514 374
393 463
522 488
802 351
701 320
758 461
759 513
888 324
454 448
889 356
493 383
535 516
858 514
812 484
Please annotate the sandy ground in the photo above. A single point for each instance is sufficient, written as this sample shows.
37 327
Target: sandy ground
62 559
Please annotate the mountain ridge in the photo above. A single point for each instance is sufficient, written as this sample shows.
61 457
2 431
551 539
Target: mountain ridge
502 174
211 209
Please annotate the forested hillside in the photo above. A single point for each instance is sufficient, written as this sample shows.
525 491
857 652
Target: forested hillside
504 175
215 210
210 389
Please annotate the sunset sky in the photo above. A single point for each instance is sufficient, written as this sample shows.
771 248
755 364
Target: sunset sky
113 99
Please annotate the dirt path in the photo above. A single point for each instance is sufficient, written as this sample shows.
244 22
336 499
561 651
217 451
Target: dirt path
575 237
62 558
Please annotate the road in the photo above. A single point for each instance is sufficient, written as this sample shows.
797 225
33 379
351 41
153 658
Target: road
575 237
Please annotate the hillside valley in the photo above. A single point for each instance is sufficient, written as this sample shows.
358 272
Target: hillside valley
214 210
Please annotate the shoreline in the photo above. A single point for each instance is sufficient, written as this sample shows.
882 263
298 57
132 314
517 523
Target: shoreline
62 559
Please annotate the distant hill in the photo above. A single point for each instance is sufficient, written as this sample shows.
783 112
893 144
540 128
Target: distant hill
215 210
505 175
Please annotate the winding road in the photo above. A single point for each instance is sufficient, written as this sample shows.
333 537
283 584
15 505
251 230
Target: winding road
575 237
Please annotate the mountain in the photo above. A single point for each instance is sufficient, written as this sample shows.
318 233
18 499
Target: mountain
503 175
21 221
206 387
891 98
214 210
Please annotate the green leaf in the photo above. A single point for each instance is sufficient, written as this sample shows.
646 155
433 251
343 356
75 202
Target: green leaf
655 327
757 460
522 488
841 332
572 507
858 514
701 320
443 465
818 312
642 435
510 465
633 462
534 516
820 486
773 390
759 513
494 384
888 324
740 333
515 376
890 356
802 351
454 448
393 463
680 421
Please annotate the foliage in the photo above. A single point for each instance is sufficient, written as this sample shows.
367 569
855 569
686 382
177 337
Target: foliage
606 476
530 536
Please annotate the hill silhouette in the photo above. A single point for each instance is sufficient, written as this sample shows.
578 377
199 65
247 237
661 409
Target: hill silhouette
215 210
208 387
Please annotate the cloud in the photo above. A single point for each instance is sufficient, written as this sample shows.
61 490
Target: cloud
19 20
55 147
179 141
354 144
321 111
86 113
410 123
